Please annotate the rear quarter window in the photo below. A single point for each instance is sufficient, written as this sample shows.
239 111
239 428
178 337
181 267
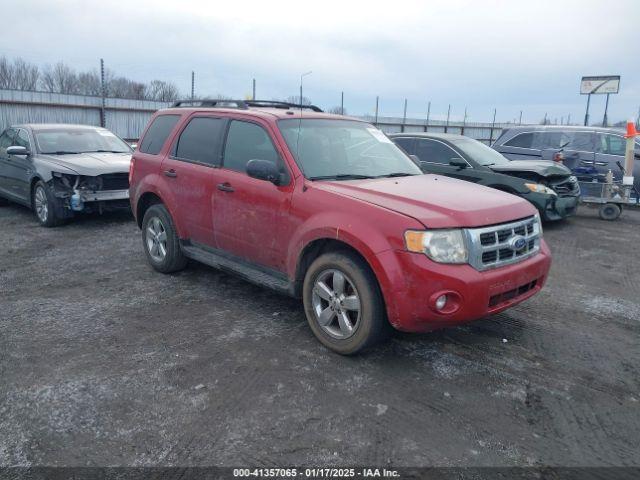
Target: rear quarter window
157 134
522 140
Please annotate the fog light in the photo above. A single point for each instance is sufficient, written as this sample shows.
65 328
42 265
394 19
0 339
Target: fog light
441 302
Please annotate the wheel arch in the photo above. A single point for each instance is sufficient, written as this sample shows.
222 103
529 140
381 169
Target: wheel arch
146 201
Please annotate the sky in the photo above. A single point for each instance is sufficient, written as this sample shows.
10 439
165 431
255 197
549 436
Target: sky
512 55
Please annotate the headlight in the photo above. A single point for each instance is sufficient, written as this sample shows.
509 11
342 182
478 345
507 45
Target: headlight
443 246
539 188
537 215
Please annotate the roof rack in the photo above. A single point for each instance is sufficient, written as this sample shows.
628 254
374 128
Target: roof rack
242 104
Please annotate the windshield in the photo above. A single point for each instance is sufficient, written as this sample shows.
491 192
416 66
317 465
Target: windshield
69 140
479 152
344 149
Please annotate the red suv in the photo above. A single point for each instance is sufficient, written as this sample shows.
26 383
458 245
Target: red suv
327 208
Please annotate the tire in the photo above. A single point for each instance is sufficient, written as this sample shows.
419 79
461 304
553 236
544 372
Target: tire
158 236
324 310
46 206
610 211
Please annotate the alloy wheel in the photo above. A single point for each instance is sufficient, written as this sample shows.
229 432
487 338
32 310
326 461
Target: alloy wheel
41 204
336 304
156 239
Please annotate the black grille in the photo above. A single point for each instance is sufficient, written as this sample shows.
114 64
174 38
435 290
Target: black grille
520 230
488 238
565 187
489 257
516 292
503 235
115 181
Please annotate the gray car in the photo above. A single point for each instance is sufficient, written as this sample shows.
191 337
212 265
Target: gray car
61 170
585 147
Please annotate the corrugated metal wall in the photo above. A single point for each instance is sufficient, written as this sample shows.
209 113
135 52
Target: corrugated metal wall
127 118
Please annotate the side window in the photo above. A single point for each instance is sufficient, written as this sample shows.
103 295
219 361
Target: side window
434 152
611 144
22 139
247 141
6 138
582 141
523 140
552 140
157 134
200 140
406 144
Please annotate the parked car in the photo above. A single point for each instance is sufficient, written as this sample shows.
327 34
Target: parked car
60 170
328 209
598 147
549 186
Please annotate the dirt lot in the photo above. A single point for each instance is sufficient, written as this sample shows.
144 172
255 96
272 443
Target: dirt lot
105 362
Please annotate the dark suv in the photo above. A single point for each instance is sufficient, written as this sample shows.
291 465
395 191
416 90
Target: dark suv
549 186
601 148
329 209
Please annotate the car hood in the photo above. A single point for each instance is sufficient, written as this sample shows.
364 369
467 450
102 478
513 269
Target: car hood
91 164
436 201
544 168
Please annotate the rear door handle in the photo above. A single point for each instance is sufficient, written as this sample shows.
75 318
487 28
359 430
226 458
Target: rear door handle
225 187
171 173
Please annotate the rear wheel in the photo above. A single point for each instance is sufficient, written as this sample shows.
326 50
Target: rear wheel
343 303
45 205
610 211
160 240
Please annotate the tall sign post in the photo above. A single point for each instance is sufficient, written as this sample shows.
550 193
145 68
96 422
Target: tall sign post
605 84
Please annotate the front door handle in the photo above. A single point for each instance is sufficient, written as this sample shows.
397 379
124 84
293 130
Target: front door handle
171 173
225 187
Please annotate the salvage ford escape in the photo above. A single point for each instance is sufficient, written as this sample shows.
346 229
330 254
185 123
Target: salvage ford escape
327 208
60 170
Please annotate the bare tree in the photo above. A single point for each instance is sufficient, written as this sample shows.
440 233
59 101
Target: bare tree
59 79
19 75
338 110
89 83
295 99
6 73
162 91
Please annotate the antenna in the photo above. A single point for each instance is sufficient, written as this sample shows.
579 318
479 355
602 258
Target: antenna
300 119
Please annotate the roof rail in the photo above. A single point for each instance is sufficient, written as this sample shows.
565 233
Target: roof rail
242 104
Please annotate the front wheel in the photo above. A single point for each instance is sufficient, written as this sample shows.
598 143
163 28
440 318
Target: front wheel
160 240
343 303
45 206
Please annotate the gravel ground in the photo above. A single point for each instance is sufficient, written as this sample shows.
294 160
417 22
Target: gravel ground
105 362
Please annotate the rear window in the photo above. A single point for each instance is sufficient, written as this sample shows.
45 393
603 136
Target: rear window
157 133
200 140
523 140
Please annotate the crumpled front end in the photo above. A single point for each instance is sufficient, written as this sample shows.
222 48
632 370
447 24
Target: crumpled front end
81 193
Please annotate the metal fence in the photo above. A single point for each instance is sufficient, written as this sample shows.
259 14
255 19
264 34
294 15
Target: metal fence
127 118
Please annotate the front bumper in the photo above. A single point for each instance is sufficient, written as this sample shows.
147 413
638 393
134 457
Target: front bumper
552 207
479 294
104 195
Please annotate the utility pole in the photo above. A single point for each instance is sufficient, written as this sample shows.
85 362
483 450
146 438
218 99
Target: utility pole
103 92
193 84
426 125
464 120
606 107
520 121
493 124
253 95
569 119
544 122
376 120
341 103
586 115
446 127
404 116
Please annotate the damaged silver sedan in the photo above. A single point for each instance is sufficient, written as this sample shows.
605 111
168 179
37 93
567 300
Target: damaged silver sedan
61 170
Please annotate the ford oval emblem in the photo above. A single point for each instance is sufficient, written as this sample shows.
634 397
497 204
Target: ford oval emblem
517 243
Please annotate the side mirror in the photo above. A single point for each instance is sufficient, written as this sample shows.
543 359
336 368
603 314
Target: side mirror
263 170
458 162
17 150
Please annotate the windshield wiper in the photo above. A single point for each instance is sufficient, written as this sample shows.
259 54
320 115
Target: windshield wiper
341 176
104 151
61 152
396 174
